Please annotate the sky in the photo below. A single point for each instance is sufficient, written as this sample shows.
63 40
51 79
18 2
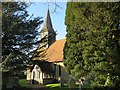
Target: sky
57 18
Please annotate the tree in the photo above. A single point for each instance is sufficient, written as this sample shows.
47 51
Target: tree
92 48
19 34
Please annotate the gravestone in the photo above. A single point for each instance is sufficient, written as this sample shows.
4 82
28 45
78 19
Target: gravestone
16 82
81 85
72 83
61 82
84 83
10 82
13 82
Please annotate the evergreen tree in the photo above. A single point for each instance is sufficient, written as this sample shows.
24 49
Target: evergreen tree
19 34
92 48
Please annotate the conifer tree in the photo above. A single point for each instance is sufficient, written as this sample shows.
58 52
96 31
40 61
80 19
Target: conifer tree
19 34
92 47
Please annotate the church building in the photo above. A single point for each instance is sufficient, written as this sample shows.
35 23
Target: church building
47 62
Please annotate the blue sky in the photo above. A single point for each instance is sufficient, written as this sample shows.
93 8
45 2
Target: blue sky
58 17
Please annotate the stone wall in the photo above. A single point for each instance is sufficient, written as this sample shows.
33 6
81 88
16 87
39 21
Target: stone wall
64 73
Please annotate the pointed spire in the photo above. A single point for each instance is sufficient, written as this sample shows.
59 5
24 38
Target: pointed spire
47 22
48 29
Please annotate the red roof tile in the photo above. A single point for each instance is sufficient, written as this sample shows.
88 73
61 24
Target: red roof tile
55 51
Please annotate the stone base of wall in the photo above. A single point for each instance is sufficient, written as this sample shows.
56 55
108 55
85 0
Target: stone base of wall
48 80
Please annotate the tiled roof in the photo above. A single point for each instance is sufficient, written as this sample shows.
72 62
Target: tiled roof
53 54
55 51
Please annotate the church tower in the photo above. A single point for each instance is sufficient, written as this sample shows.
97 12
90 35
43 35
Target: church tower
48 31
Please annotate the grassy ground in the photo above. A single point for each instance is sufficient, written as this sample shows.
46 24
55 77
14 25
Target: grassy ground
56 86
23 83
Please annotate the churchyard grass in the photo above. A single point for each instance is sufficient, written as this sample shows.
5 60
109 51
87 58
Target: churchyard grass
23 82
56 86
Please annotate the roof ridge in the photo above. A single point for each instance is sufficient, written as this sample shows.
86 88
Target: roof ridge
61 39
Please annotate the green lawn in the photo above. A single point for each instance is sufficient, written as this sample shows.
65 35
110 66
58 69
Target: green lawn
23 82
57 87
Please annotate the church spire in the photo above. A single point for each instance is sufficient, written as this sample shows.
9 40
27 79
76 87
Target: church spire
47 22
48 30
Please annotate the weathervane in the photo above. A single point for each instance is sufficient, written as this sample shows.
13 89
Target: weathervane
48 3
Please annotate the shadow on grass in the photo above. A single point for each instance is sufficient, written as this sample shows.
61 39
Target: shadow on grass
57 87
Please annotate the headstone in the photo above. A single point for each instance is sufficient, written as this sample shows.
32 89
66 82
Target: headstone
16 82
61 82
10 82
13 82
81 85
72 83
